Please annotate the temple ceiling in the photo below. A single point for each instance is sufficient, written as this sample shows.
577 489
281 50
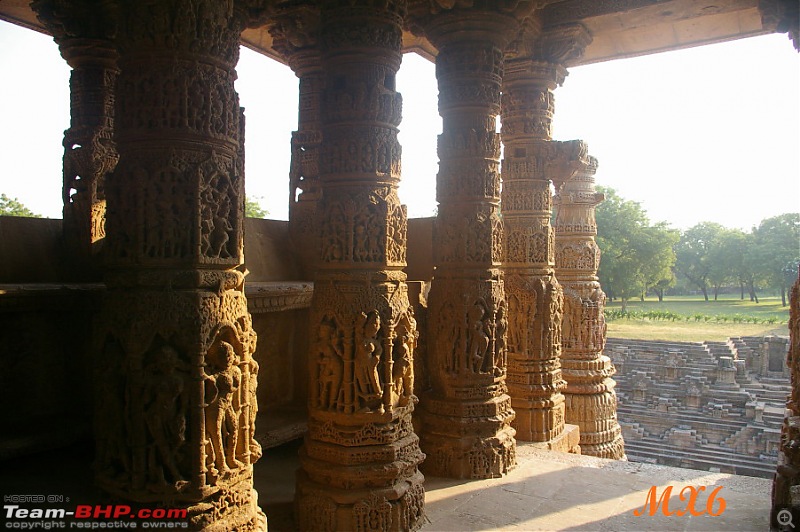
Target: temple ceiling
620 28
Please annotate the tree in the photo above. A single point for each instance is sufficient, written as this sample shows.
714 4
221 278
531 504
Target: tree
253 208
694 252
725 259
776 245
13 207
636 254
657 248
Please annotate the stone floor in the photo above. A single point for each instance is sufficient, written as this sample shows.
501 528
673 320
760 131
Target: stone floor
547 491
554 491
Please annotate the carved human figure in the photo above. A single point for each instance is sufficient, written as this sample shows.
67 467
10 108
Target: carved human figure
331 366
367 356
362 253
222 226
403 370
478 339
222 421
517 325
165 415
255 447
501 350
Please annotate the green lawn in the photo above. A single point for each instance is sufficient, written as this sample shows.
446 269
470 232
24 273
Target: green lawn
712 320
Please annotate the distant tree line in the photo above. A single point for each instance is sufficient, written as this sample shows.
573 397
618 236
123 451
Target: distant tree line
639 257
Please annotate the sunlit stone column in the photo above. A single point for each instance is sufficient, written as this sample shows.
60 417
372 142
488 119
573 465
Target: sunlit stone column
360 456
84 40
466 416
591 402
787 475
176 380
295 31
535 67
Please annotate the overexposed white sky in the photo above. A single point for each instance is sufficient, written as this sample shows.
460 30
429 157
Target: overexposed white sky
705 134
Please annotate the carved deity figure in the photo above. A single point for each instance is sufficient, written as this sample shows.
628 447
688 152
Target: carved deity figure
403 369
331 366
165 414
478 339
367 357
501 350
517 325
222 420
255 447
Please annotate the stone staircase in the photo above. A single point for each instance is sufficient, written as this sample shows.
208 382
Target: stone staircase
680 405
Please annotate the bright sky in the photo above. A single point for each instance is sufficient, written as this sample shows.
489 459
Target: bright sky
705 134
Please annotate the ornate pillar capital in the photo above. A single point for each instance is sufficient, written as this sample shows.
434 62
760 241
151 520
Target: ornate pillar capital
445 22
295 27
560 161
562 44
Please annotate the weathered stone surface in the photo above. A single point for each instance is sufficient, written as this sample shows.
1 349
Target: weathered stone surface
360 457
590 399
531 162
175 393
467 412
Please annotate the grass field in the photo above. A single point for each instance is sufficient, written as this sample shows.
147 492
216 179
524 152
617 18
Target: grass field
700 320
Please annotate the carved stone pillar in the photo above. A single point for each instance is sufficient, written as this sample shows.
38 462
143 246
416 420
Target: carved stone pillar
176 392
591 402
83 34
295 32
360 456
531 162
466 422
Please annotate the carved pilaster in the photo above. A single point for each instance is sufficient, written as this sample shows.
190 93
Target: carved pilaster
360 457
531 162
467 414
83 33
295 31
176 398
591 402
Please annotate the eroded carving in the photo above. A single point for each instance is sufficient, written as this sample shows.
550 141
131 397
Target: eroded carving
591 400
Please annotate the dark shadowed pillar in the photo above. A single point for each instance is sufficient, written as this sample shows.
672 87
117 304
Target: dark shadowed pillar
360 456
176 380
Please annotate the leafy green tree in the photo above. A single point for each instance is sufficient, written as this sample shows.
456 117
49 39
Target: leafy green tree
253 208
725 259
776 244
636 254
694 252
13 207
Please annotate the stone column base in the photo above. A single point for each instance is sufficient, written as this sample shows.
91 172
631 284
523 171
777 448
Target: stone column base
397 507
538 420
566 442
470 457
468 438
